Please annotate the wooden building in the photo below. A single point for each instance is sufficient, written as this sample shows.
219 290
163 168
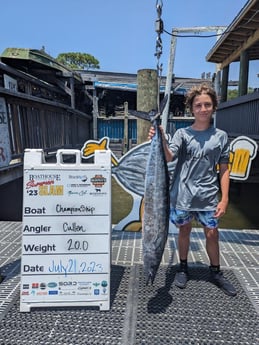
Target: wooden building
42 105
240 43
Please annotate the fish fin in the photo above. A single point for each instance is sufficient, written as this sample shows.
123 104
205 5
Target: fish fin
104 143
133 226
91 146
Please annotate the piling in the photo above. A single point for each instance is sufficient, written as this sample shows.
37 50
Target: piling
146 99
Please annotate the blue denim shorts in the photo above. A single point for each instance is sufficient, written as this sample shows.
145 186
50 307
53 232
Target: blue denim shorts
206 218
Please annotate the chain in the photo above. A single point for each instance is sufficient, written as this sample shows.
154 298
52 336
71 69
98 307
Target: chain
159 26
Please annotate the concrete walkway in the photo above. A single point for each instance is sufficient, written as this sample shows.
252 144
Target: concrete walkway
239 252
239 260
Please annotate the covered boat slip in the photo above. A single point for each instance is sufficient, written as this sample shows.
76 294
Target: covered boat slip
158 314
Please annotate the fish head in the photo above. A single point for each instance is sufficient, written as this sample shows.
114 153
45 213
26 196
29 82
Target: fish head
151 267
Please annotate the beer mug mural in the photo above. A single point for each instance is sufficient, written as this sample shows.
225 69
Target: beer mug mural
242 151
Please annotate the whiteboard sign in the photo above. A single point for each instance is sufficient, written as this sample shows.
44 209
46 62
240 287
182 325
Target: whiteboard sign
66 233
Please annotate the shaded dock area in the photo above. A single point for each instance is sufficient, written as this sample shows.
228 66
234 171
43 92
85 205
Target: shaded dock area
140 314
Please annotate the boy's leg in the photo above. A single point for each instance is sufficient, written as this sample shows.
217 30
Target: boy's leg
182 219
181 276
212 247
184 240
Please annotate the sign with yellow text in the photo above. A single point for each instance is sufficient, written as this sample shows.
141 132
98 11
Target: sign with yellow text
66 235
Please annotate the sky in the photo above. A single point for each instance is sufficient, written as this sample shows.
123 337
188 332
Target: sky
121 34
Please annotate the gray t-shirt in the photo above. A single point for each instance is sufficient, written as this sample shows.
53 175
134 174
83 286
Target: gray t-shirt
195 182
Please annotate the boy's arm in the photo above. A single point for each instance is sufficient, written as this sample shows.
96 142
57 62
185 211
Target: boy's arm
224 186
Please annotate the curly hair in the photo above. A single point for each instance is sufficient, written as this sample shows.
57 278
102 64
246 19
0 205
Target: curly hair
197 90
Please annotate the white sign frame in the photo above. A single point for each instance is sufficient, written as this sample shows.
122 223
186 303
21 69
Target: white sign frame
66 239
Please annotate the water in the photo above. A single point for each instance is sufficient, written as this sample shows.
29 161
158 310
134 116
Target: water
242 212
243 209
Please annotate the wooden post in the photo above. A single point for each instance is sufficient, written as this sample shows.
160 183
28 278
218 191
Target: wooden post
224 84
169 79
72 87
146 100
243 73
126 129
95 115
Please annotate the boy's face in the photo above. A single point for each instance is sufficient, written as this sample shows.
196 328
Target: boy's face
202 108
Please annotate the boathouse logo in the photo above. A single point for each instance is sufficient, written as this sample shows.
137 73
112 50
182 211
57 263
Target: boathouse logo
98 181
44 188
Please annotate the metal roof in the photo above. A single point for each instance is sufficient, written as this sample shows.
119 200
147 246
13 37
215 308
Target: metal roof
242 34
128 82
37 63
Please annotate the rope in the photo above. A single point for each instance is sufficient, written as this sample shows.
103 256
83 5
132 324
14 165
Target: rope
159 27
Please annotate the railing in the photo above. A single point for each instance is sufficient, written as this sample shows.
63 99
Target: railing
178 122
114 127
38 123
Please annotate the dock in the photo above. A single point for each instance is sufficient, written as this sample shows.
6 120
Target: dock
140 314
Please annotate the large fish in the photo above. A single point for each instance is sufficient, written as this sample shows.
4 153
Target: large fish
156 205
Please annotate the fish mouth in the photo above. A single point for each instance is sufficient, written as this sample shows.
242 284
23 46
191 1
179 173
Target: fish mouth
150 279
151 274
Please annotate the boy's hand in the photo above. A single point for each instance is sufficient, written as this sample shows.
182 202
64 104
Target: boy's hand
221 209
151 133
